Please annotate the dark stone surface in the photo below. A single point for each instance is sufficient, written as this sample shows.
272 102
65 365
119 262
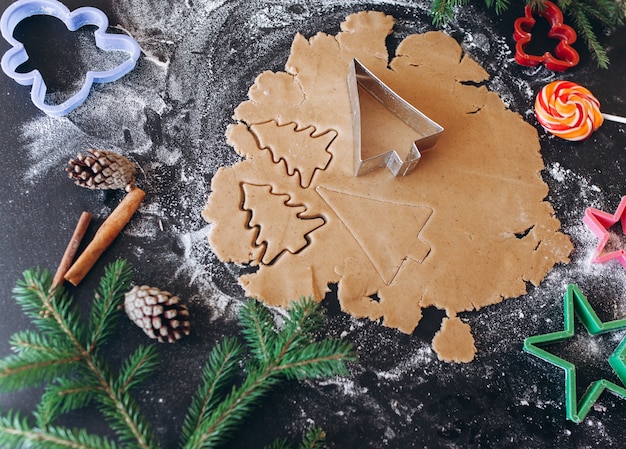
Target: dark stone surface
170 115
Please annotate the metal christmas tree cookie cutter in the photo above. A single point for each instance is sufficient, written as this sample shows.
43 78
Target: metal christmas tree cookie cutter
73 20
360 76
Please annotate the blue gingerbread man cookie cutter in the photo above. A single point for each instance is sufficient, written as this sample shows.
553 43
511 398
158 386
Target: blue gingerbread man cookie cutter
73 20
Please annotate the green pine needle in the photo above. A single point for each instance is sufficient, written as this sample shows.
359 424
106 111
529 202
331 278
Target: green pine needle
303 319
51 311
30 369
288 352
315 438
581 16
108 299
443 12
25 342
317 360
498 5
224 360
17 433
258 330
125 418
65 395
65 357
217 427
137 367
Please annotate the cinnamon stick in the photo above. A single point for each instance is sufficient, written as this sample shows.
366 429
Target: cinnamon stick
105 235
72 248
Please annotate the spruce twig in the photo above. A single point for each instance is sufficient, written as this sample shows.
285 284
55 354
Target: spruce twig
443 12
584 28
219 372
286 353
315 438
64 355
498 5
16 432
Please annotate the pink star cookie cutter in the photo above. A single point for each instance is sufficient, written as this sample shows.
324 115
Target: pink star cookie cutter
599 222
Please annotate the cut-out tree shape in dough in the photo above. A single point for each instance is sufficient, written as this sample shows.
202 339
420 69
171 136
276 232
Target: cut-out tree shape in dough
447 234
301 150
280 225
387 243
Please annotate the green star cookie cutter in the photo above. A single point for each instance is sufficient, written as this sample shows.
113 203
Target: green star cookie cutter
577 304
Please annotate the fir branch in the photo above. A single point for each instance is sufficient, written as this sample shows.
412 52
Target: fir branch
223 361
108 298
302 319
16 432
65 395
258 330
315 438
620 7
217 426
583 26
33 281
53 312
28 341
34 368
67 358
125 419
117 406
442 11
36 360
137 367
319 359
296 357
498 5
608 12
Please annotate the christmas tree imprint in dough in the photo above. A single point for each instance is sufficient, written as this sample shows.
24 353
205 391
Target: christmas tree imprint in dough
280 226
445 236
387 244
301 150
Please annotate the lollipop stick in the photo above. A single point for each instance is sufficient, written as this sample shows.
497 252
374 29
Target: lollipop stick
614 118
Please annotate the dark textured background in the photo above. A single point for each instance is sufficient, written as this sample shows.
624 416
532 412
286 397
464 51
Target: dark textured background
399 395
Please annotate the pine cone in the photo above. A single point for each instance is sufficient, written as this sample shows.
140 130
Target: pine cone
159 313
101 169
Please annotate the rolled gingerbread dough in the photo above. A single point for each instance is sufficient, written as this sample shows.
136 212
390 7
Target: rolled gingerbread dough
468 228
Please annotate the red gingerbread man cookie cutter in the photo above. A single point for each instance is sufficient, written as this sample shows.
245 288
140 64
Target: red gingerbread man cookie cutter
564 56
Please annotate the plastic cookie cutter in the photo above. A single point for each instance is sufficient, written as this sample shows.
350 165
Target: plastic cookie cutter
575 303
74 20
360 77
566 56
599 223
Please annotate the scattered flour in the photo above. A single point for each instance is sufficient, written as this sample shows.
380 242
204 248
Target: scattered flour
170 114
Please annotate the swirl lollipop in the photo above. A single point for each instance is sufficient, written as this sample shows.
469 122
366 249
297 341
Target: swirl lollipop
570 111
